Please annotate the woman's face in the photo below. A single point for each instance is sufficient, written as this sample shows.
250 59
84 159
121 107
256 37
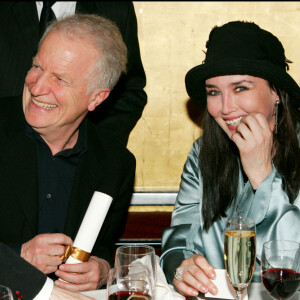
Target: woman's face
231 97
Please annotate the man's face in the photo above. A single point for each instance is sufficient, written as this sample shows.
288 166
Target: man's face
56 94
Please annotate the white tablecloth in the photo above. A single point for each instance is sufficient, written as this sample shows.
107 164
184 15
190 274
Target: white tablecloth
165 291
255 292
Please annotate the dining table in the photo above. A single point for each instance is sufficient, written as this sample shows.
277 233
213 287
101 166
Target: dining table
256 291
165 291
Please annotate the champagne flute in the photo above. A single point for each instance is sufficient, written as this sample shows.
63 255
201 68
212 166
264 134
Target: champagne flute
5 293
280 268
240 252
138 254
129 282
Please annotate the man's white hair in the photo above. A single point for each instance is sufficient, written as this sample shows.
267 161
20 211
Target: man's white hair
105 36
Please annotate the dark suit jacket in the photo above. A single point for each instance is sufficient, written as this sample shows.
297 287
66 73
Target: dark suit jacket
19 36
107 167
19 275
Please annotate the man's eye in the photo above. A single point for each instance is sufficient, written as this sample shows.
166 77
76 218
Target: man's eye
61 80
212 93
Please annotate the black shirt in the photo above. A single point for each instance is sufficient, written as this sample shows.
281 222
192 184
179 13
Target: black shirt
55 179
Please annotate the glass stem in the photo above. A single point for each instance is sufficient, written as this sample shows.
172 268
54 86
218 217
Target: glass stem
239 295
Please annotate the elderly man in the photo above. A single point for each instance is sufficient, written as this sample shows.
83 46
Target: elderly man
19 36
54 159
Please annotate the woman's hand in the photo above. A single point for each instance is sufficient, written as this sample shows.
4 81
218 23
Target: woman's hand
196 277
254 139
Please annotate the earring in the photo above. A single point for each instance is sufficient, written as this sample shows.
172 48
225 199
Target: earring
276 115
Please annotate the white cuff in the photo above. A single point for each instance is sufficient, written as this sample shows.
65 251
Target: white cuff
46 291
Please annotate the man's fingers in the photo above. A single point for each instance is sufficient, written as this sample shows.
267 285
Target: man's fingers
47 264
44 251
55 250
75 268
53 261
76 278
57 238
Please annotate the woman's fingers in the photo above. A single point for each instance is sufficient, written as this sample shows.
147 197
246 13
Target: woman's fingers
196 274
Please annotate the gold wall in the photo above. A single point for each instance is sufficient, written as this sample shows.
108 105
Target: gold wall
172 37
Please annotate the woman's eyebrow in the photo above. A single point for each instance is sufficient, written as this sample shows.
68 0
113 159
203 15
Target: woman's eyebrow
241 81
233 83
210 85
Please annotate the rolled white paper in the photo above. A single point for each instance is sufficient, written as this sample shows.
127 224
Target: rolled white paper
91 224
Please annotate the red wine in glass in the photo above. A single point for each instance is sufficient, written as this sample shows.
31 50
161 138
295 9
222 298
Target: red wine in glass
124 295
281 283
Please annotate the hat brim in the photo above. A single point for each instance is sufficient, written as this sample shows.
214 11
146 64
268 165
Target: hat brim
195 78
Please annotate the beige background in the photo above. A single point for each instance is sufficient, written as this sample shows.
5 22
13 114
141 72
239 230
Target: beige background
172 37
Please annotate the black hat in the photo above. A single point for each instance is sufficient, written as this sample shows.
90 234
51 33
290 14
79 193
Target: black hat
242 48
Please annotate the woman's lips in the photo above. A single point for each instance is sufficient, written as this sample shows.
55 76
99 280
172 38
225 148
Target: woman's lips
234 122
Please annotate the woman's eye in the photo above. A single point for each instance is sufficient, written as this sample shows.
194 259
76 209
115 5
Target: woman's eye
241 88
212 93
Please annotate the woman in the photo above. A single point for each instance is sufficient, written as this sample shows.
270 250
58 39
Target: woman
246 163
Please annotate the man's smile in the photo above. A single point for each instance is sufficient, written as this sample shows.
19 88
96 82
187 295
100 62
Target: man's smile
43 105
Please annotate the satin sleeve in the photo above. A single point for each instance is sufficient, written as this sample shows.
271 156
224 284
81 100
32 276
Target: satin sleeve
276 218
269 206
182 239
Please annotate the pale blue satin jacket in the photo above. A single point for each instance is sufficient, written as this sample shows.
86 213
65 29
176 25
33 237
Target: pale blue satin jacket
269 206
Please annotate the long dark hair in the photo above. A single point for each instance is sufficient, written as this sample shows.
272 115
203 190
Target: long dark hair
219 161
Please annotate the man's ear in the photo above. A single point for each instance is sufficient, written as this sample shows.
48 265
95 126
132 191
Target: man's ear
97 98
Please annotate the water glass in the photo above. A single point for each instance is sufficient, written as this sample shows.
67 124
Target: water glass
129 282
138 254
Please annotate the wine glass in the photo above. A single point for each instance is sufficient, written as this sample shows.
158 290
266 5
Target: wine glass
129 282
280 268
5 293
240 252
138 254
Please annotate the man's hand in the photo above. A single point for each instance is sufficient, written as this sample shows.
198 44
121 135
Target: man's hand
44 251
59 294
85 276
